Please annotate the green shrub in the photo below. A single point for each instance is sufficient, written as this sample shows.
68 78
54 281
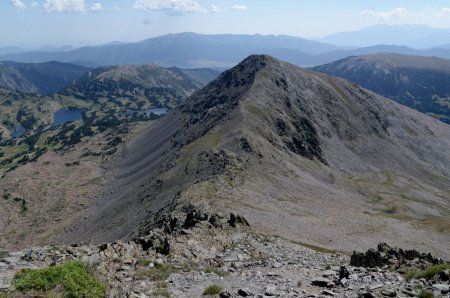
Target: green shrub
212 290
162 293
418 286
3 254
433 270
412 274
162 290
425 294
158 273
143 262
428 273
73 277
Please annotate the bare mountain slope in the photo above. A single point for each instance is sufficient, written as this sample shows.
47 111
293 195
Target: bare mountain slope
41 78
421 83
300 154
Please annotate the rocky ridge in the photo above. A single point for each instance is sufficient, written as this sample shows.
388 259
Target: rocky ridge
299 154
207 250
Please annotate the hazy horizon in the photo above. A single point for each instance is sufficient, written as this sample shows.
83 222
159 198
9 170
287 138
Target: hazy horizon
37 23
48 46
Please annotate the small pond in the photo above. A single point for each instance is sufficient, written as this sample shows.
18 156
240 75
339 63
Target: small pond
66 115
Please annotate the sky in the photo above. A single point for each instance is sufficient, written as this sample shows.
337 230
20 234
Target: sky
35 23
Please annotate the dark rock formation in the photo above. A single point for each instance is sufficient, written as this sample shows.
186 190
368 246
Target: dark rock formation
386 255
236 220
193 217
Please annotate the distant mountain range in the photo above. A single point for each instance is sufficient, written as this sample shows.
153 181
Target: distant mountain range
445 46
402 50
190 50
415 36
40 78
110 83
416 81
422 83
15 50
10 50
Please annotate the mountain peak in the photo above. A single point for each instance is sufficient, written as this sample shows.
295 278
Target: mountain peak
229 88
255 63
259 59
267 133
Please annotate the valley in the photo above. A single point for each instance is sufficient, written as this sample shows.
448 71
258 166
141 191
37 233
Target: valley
41 198
53 166
99 101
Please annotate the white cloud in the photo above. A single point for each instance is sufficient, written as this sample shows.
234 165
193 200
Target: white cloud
18 4
173 6
443 12
64 6
96 7
215 9
399 12
239 7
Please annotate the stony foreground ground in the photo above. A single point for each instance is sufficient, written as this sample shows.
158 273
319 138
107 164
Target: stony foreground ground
236 262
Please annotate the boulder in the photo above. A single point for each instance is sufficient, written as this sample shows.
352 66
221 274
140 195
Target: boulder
244 293
6 279
328 293
271 290
321 282
344 273
444 275
389 293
